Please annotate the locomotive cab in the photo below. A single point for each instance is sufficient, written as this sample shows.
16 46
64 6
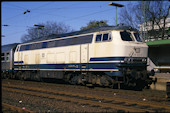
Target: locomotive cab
134 67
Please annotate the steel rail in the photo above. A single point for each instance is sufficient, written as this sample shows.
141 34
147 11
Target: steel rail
80 101
15 109
141 103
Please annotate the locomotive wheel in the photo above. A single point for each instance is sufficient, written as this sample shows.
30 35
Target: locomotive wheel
5 75
18 75
80 80
140 84
74 80
104 81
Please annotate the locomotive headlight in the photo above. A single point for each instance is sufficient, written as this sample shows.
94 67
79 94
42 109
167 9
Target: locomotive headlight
126 59
144 60
129 59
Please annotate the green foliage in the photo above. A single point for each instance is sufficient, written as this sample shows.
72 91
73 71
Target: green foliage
94 23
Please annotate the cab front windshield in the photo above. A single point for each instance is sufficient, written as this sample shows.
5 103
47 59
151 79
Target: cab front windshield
137 37
127 36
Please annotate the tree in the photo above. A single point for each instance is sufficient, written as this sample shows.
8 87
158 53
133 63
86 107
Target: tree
94 23
48 29
150 14
127 17
156 13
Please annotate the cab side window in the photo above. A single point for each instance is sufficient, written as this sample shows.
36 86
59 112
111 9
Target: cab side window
103 37
98 37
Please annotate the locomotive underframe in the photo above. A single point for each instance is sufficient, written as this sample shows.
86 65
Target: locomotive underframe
133 77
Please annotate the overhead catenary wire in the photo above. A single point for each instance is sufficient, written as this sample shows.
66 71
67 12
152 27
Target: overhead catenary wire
12 17
87 15
60 15
42 5
38 8
76 17
69 8
45 12
16 6
57 15
14 33
12 8
65 16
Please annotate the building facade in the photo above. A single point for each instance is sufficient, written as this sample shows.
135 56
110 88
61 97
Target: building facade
158 40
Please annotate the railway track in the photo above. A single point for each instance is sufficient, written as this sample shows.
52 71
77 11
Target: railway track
153 95
9 108
126 105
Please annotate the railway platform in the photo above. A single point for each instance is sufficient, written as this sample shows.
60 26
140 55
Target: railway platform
162 79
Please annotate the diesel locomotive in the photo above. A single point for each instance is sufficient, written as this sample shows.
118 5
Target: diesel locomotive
106 56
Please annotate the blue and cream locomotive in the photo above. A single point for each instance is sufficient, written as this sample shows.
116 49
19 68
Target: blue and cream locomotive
105 56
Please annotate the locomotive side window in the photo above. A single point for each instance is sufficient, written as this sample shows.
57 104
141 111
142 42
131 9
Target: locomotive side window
98 37
7 56
35 46
106 37
38 46
58 43
17 48
27 47
126 36
2 57
103 37
44 44
22 48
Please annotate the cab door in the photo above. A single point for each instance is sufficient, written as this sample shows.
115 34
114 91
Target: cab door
19 61
84 57
37 61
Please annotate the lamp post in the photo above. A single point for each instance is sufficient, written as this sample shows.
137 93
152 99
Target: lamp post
38 27
117 5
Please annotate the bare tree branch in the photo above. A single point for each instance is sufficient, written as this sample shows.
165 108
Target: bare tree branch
50 28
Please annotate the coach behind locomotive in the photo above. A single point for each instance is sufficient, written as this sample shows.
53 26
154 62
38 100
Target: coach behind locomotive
105 56
7 59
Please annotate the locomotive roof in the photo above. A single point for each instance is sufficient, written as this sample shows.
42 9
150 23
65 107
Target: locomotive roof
96 29
8 47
